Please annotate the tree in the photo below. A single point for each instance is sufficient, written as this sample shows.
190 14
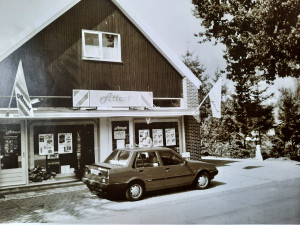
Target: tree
250 110
259 35
289 116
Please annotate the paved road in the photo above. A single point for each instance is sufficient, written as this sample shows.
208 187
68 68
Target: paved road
243 192
270 203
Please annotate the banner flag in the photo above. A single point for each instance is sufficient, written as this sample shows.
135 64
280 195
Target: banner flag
215 99
22 96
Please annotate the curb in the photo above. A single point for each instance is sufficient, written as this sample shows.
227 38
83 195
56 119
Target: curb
39 190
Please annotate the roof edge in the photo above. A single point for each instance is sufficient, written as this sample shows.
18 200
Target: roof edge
36 30
164 49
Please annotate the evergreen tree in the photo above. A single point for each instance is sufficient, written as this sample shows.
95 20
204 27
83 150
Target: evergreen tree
289 117
252 113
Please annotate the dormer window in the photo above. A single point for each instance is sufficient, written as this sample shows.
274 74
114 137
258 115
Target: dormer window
101 46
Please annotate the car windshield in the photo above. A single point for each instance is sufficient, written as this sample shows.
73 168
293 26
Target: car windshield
118 157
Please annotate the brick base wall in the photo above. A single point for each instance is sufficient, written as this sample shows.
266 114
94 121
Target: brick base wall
192 137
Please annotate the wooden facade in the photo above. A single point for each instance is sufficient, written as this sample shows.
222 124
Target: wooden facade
53 64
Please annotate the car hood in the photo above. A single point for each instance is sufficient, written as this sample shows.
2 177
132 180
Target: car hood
194 163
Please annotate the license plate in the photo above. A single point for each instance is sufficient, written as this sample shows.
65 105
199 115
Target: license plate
93 171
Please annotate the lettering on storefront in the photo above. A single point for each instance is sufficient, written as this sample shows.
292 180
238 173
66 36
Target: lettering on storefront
114 98
12 132
106 99
120 128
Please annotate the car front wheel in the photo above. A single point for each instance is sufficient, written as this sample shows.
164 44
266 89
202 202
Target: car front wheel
134 191
202 181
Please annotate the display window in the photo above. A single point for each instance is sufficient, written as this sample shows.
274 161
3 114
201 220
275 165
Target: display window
120 134
10 146
161 133
61 150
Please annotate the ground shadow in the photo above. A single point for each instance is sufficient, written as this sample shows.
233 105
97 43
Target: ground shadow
251 167
216 184
164 192
219 162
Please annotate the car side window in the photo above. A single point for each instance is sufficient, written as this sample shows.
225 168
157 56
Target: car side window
146 159
169 158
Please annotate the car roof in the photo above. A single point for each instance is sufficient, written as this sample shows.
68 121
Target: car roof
136 149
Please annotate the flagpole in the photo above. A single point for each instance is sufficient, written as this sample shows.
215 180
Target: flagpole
201 103
12 93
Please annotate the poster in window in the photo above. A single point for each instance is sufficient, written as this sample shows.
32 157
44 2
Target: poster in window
120 144
119 134
158 139
46 144
142 135
170 136
65 143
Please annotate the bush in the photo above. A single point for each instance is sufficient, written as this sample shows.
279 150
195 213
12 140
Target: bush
225 150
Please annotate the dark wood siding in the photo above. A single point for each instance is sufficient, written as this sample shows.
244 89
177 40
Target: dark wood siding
53 65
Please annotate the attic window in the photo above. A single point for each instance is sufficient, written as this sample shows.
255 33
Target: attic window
101 46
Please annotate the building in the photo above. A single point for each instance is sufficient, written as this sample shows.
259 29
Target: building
97 81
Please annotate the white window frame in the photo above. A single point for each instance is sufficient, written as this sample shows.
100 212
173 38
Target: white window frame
101 56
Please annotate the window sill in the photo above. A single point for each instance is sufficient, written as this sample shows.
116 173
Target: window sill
102 60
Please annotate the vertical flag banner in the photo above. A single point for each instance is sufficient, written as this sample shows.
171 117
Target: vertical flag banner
215 99
22 96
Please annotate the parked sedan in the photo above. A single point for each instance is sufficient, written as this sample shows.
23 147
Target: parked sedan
138 170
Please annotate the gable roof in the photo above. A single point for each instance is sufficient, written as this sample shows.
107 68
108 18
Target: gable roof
21 20
35 26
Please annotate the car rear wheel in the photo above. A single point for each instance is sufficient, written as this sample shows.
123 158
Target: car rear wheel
202 181
134 191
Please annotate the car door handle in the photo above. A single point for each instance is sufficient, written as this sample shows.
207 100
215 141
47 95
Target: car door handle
140 171
167 169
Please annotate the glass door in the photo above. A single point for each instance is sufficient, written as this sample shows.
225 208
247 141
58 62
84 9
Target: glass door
12 155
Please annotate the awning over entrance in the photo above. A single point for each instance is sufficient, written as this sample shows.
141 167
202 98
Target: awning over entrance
65 113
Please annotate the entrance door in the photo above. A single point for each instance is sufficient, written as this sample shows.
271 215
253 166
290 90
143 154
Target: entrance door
12 154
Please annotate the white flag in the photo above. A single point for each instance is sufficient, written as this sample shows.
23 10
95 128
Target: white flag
22 96
215 98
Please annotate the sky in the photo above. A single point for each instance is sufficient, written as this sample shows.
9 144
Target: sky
174 22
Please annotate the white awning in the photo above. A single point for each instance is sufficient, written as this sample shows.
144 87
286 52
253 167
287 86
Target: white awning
77 114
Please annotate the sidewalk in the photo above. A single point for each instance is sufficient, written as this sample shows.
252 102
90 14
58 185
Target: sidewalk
40 190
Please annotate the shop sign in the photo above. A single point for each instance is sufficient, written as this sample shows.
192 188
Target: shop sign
65 143
95 98
120 134
46 144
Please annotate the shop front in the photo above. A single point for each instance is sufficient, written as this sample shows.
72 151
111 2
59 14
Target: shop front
59 150
49 151
34 152
162 131
56 144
